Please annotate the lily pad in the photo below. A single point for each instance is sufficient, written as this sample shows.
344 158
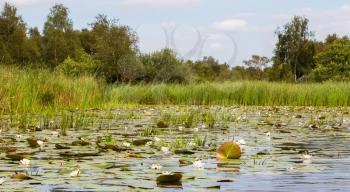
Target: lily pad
171 179
228 150
20 176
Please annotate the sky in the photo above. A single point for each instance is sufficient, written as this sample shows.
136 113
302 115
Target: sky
229 30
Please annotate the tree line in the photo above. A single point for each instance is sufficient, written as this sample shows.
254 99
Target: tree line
108 50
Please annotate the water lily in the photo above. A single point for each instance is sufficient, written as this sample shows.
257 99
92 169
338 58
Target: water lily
25 161
126 144
156 139
198 164
181 128
2 180
166 173
55 133
40 143
241 142
268 134
307 156
156 167
75 173
164 149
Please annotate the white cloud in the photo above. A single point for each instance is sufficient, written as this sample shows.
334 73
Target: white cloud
158 3
230 25
23 2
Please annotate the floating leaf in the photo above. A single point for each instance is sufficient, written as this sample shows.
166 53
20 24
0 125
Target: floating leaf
18 156
184 152
59 146
20 176
169 179
228 150
140 142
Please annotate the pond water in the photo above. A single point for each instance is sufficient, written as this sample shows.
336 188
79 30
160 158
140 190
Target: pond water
274 141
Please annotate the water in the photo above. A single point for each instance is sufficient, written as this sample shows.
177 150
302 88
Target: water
268 163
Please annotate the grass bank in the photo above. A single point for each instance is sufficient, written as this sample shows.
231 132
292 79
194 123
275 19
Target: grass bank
27 90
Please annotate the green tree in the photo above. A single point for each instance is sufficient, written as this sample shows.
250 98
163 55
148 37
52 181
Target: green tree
60 39
13 37
111 43
334 62
164 67
257 64
294 50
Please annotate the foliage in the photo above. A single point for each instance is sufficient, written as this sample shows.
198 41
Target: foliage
83 65
334 62
294 50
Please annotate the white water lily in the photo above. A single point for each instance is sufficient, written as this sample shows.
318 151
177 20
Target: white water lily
75 173
156 167
181 128
164 149
268 134
241 142
156 139
166 173
55 133
126 144
198 164
2 180
40 143
307 156
25 162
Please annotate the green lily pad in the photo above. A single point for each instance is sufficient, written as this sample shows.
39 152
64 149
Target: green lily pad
171 179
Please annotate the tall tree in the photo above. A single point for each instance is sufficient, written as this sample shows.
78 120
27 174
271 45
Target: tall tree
12 36
258 64
294 51
60 39
111 43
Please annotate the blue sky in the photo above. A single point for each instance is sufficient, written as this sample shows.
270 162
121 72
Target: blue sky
230 30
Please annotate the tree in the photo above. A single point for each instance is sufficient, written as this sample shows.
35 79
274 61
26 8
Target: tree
294 51
111 43
164 67
258 64
60 39
13 37
334 62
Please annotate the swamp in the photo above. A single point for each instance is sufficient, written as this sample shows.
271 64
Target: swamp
283 148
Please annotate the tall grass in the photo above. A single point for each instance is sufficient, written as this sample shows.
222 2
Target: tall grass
36 90
28 90
236 93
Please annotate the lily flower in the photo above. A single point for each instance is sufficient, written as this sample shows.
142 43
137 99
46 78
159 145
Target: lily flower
166 173
198 164
40 143
25 162
156 139
75 173
126 144
156 167
55 133
2 180
164 149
